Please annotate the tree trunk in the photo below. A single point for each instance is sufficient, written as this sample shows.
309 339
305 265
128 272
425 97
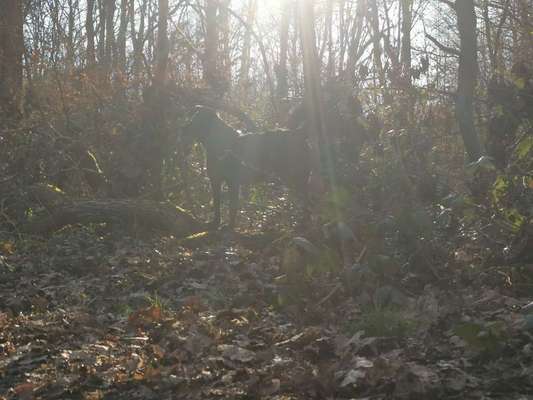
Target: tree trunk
342 35
150 37
405 56
225 36
330 69
55 35
376 41
526 27
313 101
489 38
246 49
11 52
406 106
160 72
156 113
101 31
110 36
467 77
72 10
137 214
121 38
211 42
281 70
89 28
137 38
354 43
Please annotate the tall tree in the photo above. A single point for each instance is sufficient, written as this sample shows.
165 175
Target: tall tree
109 35
162 49
246 46
211 42
467 76
70 46
156 112
55 34
121 37
223 22
405 56
281 69
342 35
137 39
373 16
525 45
89 28
11 52
313 100
330 66
101 31
354 43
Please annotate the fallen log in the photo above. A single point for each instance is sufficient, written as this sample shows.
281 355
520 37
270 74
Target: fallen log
141 215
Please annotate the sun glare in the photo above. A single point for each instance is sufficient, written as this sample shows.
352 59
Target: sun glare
264 7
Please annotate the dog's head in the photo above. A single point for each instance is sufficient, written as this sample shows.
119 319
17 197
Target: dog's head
201 125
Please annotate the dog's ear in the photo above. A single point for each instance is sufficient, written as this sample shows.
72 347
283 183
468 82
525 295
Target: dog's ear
200 125
204 109
205 114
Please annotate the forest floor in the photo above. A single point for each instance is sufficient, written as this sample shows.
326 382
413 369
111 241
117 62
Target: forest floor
95 315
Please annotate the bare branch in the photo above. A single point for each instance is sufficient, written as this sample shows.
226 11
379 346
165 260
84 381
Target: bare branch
449 3
446 49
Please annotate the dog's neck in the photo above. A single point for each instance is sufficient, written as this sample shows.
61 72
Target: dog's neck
219 137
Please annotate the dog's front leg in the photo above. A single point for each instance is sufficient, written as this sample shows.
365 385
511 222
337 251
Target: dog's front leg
216 188
233 203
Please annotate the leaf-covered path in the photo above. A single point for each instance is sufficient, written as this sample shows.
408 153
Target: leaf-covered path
90 317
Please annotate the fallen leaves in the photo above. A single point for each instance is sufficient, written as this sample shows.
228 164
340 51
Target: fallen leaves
236 353
159 324
7 248
25 391
146 316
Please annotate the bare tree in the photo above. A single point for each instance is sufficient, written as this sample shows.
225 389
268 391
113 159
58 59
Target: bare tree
160 71
102 19
70 45
246 46
405 57
524 42
211 42
330 67
137 38
354 41
342 35
110 35
313 100
89 28
376 40
121 37
467 76
11 52
223 21
281 69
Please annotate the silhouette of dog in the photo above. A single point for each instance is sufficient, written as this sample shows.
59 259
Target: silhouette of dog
241 159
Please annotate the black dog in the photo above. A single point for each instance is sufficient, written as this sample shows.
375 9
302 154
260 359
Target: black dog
243 159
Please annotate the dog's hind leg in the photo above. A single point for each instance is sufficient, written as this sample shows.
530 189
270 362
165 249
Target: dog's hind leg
304 222
299 192
233 203
216 187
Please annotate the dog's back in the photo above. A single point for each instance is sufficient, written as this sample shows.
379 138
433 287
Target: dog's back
278 153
